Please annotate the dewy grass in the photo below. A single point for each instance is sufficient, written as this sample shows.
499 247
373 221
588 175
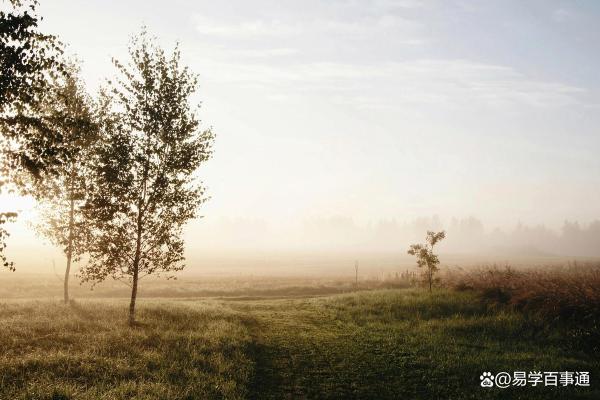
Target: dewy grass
382 344
402 344
86 351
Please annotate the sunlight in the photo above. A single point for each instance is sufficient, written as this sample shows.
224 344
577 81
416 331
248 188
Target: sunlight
23 205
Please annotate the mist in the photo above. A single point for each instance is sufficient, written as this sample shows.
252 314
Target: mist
331 245
466 236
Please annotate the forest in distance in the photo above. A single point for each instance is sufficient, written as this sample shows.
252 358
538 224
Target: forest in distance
345 234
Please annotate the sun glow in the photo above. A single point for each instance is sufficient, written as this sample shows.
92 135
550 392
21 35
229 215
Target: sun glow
23 205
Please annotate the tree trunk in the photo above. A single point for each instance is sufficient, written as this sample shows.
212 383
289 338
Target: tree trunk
138 246
134 283
134 287
70 242
136 264
66 283
430 279
67 271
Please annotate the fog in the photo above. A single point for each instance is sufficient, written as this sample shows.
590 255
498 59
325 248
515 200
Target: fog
331 245
342 234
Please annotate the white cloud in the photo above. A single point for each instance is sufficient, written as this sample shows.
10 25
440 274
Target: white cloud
363 26
561 14
393 4
245 29
266 53
389 85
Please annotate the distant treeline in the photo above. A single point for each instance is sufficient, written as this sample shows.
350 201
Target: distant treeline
470 235
466 235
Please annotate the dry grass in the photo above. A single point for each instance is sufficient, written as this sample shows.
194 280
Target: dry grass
22 286
85 350
566 296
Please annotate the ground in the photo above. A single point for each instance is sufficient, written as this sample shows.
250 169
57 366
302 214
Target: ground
380 344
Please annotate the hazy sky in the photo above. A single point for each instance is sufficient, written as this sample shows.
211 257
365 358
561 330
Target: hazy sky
377 109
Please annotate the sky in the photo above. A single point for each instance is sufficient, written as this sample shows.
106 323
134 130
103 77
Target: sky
371 110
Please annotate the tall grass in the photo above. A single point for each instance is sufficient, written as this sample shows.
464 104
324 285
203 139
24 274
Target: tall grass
565 296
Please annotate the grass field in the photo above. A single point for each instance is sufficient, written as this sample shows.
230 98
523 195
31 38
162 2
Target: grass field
380 344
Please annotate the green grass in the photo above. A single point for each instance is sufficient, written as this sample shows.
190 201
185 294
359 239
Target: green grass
85 351
403 344
385 344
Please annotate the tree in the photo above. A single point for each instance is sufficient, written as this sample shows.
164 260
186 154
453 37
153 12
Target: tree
62 193
4 218
28 59
144 189
425 257
27 56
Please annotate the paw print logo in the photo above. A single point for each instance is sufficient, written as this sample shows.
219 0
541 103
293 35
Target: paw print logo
487 379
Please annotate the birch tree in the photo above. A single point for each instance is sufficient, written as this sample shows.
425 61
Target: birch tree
62 193
145 186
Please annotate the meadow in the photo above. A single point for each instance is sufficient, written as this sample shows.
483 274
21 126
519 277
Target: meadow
283 338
